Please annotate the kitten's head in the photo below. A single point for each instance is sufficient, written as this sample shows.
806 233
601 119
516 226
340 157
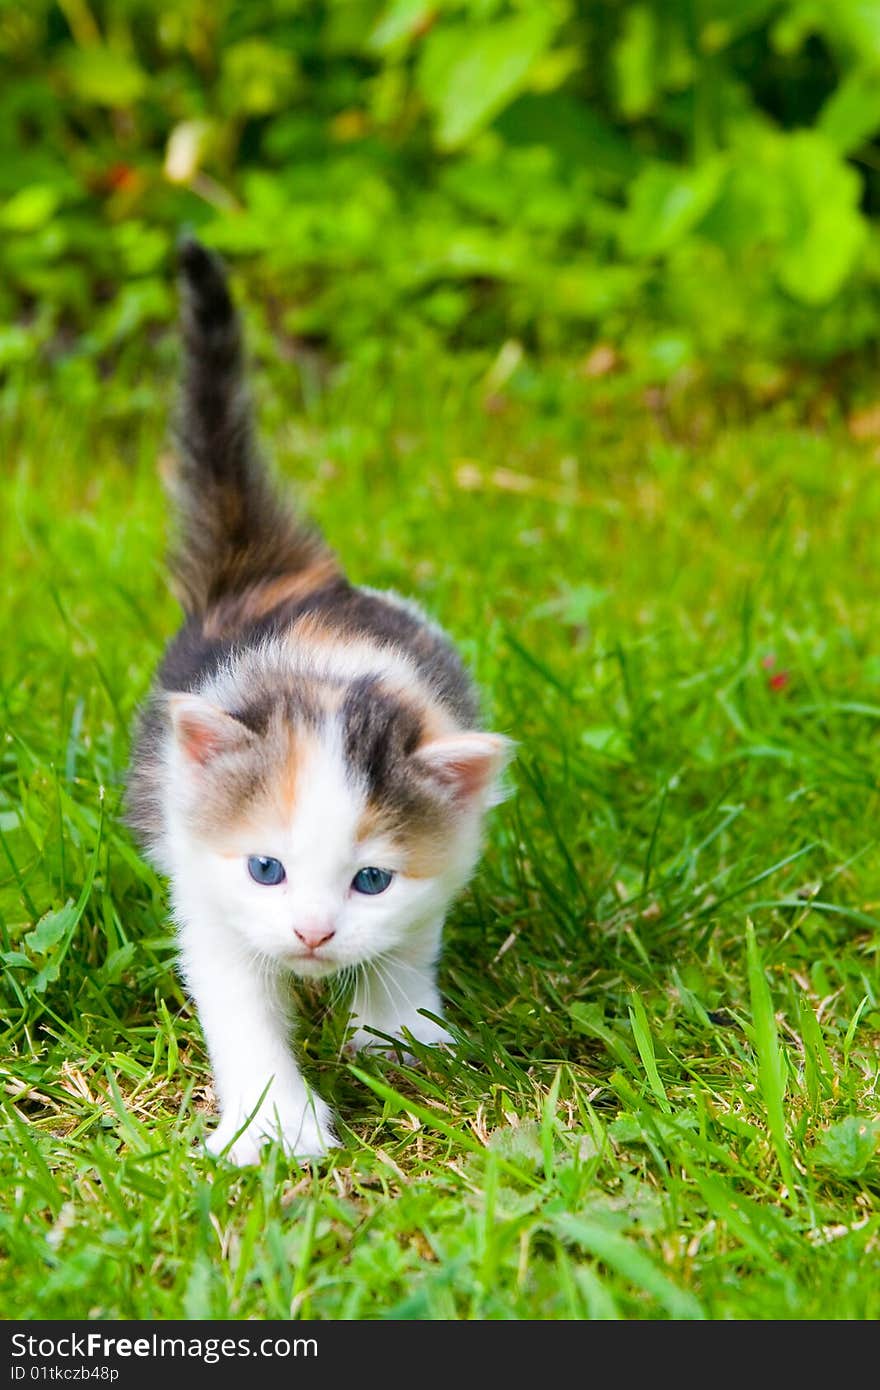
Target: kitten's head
325 826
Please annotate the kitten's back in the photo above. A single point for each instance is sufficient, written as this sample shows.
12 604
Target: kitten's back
255 578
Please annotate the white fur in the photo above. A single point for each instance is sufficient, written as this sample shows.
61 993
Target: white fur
238 938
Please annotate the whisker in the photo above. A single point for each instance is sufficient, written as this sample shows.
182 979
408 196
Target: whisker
392 984
379 974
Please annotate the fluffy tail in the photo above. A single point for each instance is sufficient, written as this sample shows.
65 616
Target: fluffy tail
235 534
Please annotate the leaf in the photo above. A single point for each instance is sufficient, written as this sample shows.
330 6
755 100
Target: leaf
104 76
49 933
626 1129
666 203
16 958
827 231
847 1147
30 208
469 72
520 1143
851 115
51 928
47 975
634 1203
400 22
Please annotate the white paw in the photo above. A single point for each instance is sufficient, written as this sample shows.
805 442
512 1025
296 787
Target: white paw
241 1151
424 1030
302 1132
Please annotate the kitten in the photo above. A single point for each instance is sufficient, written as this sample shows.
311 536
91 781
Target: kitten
308 771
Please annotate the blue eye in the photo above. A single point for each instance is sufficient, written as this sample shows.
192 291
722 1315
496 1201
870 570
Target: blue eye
371 881
266 871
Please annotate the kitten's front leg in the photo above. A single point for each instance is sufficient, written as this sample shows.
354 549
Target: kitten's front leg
246 1028
390 992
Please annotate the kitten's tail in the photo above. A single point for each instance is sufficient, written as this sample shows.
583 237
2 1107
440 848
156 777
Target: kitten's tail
235 533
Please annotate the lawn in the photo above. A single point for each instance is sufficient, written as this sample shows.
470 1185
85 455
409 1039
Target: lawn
664 979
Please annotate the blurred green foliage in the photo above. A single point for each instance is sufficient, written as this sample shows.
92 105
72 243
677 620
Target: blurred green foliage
690 179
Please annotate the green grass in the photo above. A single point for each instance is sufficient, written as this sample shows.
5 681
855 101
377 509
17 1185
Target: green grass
656 1109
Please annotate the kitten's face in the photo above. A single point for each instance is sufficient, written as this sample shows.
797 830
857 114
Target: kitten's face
317 856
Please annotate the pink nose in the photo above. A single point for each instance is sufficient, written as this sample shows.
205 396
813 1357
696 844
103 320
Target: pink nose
314 934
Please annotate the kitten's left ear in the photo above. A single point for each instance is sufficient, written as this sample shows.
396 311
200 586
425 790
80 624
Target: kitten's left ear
468 766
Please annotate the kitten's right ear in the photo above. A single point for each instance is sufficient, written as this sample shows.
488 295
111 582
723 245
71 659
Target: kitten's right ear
467 765
203 731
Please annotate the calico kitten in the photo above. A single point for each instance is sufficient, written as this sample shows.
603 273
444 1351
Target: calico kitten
309 769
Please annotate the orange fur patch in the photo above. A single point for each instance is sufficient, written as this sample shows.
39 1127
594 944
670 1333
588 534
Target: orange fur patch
287 779
423 854
313 630
424 859
294 749
236 825
235 611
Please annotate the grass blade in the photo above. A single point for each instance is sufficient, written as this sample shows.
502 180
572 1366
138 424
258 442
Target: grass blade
771 1059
